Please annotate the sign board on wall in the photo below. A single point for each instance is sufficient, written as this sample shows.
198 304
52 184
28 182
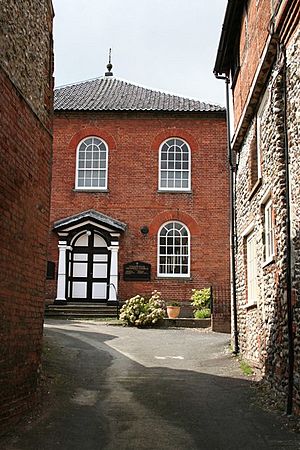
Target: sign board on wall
137 271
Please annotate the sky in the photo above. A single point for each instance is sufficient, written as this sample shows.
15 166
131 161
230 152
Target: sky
169 45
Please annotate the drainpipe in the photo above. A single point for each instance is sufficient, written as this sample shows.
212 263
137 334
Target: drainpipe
291 355
232 168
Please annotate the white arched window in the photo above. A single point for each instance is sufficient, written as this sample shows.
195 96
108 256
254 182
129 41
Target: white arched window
174 165
91 165
173 250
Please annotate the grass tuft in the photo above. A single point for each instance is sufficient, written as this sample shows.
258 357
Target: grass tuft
246 369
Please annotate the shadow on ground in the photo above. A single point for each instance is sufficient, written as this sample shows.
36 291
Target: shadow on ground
102 399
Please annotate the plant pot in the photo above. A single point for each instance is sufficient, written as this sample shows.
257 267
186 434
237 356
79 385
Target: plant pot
173 311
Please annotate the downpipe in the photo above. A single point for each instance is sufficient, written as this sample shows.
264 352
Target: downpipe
232 195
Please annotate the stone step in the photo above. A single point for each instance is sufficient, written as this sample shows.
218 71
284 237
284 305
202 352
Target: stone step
82 308
78 315
91 310
81 305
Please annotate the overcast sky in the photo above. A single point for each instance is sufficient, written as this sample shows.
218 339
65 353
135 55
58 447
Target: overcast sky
169 45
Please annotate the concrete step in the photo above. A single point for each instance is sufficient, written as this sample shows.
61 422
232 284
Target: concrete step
83 309
63 315
80 305
91 310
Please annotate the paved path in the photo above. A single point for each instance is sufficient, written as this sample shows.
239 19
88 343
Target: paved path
125 388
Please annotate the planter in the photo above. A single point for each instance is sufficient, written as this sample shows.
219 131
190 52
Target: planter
173 311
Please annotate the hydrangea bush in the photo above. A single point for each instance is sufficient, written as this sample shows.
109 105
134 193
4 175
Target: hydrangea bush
139 311
201 303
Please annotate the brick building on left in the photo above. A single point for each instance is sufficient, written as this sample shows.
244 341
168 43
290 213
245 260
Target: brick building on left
26 68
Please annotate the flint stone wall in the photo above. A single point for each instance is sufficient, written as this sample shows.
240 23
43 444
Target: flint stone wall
263 333
293 125
26 51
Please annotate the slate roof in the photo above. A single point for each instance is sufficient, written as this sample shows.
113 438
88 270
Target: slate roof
114 94
91 214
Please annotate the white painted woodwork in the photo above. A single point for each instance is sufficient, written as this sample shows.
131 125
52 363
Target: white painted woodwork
61 273
80 257
99 241
100 258
113 282
99 270
99 291
80 269
79 289
82 241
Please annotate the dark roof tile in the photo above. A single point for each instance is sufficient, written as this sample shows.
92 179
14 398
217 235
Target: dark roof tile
113 94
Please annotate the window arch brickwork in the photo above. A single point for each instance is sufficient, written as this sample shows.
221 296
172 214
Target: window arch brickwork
176 215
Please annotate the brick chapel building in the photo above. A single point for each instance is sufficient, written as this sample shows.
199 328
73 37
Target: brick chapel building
139 194
26 104
259 52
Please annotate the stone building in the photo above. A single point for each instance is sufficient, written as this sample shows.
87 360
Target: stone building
26 106
259 52
140 190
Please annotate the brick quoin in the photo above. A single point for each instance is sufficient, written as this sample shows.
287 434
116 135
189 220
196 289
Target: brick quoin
134 139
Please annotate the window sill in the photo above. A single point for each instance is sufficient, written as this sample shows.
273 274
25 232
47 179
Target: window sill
96 191
168 278
268 262
159 191
249 306
255 188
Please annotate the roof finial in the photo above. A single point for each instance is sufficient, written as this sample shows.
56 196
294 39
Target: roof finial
109 65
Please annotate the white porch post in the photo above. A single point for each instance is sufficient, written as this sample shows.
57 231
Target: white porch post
61 273
113 281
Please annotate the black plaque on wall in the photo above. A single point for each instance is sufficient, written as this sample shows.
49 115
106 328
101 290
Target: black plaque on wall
137 271
50 270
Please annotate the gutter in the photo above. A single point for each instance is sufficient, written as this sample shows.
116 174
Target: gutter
230 30
232 195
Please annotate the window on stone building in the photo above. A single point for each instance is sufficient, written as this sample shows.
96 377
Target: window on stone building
254 167
259 129
174 250
91 166
256 143
252 285
174 166
269 232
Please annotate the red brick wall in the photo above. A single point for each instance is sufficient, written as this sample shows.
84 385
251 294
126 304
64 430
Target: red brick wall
134 141
24 210
254 34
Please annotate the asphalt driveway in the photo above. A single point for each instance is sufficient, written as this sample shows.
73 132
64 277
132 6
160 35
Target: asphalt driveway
125 388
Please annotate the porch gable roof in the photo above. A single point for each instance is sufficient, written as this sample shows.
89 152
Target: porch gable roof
91 216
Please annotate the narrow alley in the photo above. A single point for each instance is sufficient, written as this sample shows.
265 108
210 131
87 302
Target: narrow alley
127 388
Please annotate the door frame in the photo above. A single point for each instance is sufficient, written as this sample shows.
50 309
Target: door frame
66 229
90 250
